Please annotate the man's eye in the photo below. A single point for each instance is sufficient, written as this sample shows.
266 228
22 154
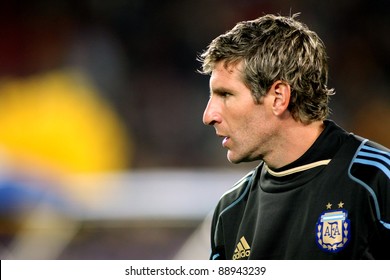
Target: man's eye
221 94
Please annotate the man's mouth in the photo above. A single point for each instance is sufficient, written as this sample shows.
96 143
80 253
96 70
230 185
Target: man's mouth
225 140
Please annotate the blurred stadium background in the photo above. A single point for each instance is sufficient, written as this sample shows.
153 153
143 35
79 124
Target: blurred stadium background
103 153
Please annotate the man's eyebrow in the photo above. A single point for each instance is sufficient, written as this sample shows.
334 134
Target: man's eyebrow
220 90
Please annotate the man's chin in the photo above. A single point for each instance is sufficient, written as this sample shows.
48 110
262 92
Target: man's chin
235 160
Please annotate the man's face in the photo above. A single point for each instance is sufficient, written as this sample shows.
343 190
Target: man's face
245 126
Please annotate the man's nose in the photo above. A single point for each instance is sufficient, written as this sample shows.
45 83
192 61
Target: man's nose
211 115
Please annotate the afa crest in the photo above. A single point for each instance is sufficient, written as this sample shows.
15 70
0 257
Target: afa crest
333 230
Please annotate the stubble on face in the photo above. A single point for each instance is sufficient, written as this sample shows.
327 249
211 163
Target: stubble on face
245 120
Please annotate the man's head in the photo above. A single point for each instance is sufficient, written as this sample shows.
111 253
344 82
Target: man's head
273 48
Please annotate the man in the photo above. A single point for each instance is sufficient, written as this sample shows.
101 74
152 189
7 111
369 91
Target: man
318 192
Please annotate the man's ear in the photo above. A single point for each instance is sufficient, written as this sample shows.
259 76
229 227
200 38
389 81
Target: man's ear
281 92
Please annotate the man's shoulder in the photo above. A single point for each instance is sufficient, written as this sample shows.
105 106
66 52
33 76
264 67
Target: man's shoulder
370 161
370 168
238 191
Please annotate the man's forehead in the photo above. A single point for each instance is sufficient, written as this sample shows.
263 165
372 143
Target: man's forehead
227 68
226 77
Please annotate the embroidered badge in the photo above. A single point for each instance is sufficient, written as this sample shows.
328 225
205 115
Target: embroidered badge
333 229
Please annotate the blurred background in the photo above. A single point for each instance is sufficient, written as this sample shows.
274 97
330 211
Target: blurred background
103 154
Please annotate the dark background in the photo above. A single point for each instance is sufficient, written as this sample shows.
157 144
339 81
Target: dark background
142 56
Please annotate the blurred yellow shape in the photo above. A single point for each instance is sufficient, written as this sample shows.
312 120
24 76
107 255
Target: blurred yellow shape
59 120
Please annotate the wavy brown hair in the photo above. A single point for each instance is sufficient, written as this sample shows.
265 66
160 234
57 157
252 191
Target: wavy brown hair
273 48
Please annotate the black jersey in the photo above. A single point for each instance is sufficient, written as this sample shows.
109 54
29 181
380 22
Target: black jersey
332 203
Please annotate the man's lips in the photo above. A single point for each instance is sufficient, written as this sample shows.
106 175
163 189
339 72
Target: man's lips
225 141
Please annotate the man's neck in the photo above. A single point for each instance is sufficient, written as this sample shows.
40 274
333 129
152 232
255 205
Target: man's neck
295 139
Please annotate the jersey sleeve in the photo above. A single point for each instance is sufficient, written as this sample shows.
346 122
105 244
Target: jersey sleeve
370 168
217 250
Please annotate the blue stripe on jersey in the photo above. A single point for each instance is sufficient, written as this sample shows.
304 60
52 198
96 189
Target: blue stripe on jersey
386 225
215 256
379 159
375 156
376 150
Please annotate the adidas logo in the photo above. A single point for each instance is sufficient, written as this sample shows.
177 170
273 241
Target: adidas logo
243 250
